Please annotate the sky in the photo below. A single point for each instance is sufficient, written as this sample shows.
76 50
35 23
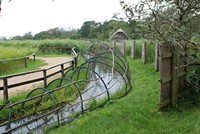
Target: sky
21 16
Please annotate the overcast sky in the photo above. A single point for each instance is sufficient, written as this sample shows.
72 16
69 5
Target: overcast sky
21 16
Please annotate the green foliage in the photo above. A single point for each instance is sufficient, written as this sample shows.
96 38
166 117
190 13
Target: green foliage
193 81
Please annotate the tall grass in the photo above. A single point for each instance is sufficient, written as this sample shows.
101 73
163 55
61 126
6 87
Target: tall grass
14 49
8 52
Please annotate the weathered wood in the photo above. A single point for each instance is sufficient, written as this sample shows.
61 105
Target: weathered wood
25 62
5 89
165 75
45 78
144 52
174 88
62 70
123 47
157 57
114 44
133 49
34 57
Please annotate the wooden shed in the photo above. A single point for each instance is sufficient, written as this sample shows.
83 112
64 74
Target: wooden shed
119 35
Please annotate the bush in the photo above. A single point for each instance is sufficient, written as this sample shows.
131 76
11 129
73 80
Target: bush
193 81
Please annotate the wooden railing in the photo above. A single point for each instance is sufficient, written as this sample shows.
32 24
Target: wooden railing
6 86
20 58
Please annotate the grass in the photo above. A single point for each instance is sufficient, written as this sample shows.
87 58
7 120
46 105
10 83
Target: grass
30 66
137 113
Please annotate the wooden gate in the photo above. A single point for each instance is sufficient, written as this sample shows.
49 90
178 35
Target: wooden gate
172 71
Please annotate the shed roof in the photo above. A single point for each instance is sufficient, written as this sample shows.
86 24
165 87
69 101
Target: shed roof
117 32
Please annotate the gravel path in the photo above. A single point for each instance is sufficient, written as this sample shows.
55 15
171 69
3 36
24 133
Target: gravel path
49 62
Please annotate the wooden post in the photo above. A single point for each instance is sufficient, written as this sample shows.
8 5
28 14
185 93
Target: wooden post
76 61
73 63
5 89
144 52
45 78
34 57
165 63
174 90
62 69
114 44
25 62
157 57
133 52
123 47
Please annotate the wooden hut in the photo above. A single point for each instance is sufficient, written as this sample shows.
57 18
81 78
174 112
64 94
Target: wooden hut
119 36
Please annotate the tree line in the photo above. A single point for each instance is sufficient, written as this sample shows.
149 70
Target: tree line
89 29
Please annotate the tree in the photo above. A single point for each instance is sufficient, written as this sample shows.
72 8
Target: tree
167 20
85 30
28 36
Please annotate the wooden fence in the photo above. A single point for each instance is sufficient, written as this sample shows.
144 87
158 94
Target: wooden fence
6 86
21 58
172 71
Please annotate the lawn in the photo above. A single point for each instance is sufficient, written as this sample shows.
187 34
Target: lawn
136 113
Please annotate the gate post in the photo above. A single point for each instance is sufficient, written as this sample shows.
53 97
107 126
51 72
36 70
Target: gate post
133 49
175 64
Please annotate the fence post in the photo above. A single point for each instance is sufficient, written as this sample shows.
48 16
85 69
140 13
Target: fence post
123 47
34 57
45 78
73 63
133 49
62 69
175 64
25 62
144 52
76 61
5 89
157 57
114 44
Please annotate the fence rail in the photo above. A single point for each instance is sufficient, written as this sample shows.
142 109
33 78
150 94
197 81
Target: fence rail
20 58
6 86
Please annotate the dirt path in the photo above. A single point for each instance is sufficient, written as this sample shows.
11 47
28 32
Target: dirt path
49 61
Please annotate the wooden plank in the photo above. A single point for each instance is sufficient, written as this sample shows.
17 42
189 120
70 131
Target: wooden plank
26 82
174 93
133 49
165 74
156 57
166 55
165 79
144 52
45 78
123 47
5 89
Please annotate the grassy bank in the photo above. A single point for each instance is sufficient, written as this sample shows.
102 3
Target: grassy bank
136 113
